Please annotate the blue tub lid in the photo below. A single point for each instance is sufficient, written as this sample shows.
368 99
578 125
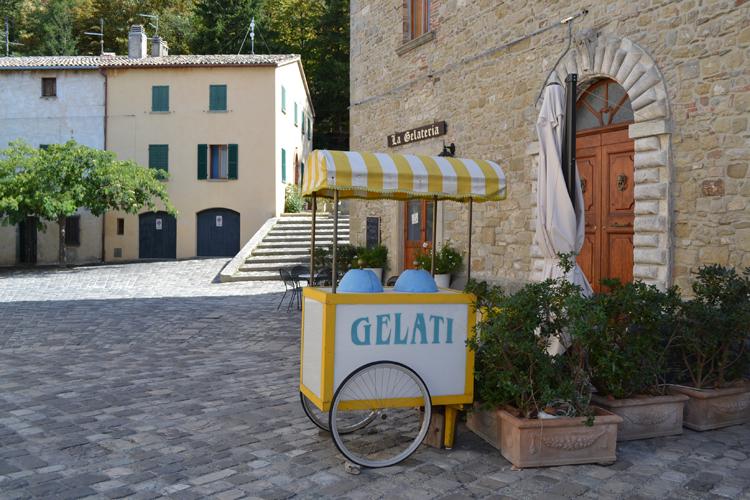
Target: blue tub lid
415 281
359 281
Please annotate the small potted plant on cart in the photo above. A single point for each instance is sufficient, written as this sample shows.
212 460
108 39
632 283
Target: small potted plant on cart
535 407
626 334
711 358
447 262
375 259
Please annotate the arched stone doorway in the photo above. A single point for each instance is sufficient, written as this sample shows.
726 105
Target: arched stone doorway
604 155
597 56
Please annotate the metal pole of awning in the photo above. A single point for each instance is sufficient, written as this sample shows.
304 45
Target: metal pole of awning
468 260
312 240
335 270
434 235
569 137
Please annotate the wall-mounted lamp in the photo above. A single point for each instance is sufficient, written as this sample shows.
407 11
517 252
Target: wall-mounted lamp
448 150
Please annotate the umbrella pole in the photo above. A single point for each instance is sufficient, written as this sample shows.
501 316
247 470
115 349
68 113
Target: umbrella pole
468 263
335 270
434 235
569 140
312 239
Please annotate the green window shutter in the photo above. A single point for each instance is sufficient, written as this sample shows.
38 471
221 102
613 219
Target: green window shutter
303 123
160 98
233 155
217 99
283 165
296 120
202 161
158 156
309 129
283 99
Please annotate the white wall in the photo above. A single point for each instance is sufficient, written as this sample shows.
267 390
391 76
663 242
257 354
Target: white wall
289 136
77 112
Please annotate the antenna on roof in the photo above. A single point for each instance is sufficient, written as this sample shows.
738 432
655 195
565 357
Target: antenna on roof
251 31
8 43
155 17
100 34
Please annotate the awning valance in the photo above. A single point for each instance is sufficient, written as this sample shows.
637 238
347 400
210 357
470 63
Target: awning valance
396 176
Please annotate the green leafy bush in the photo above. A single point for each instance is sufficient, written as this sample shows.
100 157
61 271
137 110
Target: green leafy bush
293 201
711 349
512 365
625 335
374 257
447 260
346 256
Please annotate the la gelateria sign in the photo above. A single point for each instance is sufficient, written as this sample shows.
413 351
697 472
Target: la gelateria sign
417 134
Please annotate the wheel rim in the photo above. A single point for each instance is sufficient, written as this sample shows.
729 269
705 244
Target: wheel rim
320 418
400 422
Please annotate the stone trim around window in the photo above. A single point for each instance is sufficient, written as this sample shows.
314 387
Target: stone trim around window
416 42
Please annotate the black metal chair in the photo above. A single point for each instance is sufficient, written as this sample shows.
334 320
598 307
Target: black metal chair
297 272
324 277
391 281
290 285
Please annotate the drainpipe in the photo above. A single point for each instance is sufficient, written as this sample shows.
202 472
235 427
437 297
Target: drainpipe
103 72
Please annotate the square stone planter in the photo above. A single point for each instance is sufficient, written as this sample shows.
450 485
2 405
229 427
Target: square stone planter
714 408
646 416
547 442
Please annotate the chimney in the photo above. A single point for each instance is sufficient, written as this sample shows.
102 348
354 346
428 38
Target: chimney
137 48
159 47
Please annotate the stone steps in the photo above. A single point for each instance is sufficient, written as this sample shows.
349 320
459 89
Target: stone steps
287 244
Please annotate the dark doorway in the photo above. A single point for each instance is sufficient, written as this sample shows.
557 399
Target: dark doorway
218 233
27 241
157 236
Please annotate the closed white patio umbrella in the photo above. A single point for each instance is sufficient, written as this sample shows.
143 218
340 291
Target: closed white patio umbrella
560 226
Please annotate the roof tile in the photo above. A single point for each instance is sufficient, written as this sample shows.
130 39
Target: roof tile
95 62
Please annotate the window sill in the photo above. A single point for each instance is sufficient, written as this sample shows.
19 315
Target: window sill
219 180
159 112
416 42
48 97
217 111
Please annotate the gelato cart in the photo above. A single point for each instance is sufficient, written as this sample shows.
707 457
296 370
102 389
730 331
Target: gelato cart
375 361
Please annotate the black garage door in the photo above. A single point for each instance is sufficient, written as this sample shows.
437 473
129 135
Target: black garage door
218 233
157 236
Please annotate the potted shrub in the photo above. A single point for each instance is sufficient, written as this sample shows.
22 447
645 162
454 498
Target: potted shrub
711 350
625 335
447 262
520 385
375 259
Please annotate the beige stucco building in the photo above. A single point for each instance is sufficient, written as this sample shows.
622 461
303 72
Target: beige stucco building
663 134
230 130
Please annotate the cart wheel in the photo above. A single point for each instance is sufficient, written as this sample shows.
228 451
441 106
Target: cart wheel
320 418
403 410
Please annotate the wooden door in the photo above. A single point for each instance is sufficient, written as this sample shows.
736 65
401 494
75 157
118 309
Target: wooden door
605 165
157 236
417 229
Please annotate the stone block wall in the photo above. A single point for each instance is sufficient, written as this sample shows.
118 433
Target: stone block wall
686 66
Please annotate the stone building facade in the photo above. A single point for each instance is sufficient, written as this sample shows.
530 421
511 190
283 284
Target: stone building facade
684 65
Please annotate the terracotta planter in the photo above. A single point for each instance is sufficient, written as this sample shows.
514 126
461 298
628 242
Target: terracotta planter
646 416
546 442
714 408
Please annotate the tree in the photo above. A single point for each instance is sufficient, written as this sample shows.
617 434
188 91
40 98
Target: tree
219 26
51 28
50 185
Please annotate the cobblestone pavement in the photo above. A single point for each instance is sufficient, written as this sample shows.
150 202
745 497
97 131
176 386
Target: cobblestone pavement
148 380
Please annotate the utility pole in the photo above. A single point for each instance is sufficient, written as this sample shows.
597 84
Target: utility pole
100 35
8 43
252 36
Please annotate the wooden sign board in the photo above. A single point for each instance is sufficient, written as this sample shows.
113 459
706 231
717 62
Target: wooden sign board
417 134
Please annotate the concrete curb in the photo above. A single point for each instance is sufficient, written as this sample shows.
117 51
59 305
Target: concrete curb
227 274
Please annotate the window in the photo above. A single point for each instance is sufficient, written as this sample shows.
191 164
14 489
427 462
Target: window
217 99
73 231
217 161
44 146
283 99
303 123
158 156
283 165
296 119
309 129
120 226
160 98
603 104
419 17
49 87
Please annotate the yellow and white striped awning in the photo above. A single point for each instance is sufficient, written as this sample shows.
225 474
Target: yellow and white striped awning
396 176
